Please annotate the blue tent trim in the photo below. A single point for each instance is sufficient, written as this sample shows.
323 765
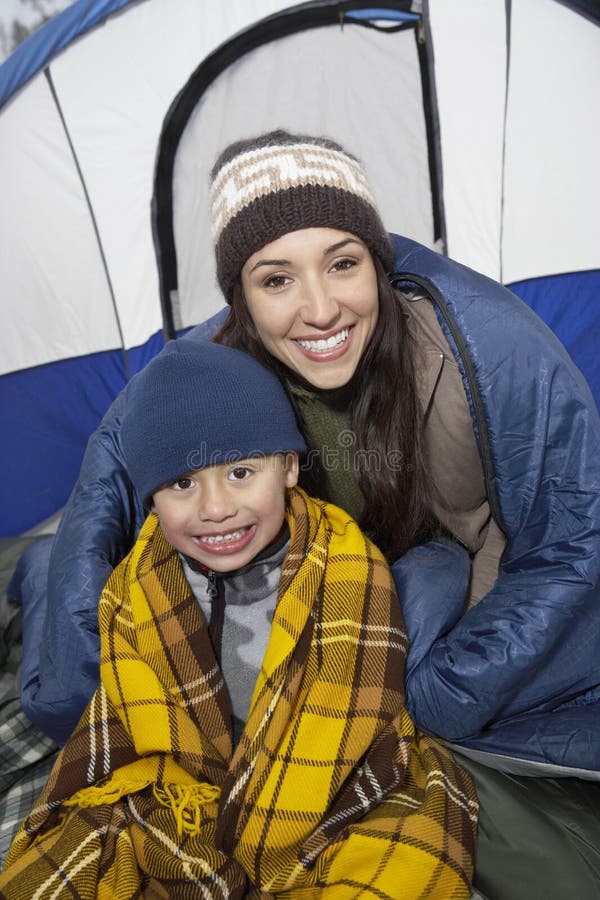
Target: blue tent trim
48 413
568 304
394 15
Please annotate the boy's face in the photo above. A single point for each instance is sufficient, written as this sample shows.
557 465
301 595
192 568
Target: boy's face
223 516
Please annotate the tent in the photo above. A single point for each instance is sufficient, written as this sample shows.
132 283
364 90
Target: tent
475 120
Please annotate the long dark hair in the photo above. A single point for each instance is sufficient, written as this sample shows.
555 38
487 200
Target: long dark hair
385 417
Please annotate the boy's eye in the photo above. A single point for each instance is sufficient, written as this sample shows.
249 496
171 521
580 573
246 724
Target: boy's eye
240 473
183 484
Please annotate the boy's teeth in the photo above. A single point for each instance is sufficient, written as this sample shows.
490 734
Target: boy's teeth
218 538
328 344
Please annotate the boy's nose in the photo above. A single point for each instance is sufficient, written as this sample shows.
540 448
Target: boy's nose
215 504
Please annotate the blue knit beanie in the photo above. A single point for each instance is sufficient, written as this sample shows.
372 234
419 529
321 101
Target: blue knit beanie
198 404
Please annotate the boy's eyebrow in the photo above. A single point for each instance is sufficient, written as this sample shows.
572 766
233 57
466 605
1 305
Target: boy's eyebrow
286 262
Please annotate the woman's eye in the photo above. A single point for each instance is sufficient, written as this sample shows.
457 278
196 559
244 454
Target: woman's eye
342 265
240 473
183 484
276 281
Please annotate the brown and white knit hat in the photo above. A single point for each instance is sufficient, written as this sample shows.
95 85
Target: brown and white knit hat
265 187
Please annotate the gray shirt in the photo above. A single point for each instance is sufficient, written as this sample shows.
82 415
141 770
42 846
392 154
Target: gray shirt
250 597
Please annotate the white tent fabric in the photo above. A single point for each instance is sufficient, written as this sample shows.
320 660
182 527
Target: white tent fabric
114 86
552 180
517 193
469 40
51 269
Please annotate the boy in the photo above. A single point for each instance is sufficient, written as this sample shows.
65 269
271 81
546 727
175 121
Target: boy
249 736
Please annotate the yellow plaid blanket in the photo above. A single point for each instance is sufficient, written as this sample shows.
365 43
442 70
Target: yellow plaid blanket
330 793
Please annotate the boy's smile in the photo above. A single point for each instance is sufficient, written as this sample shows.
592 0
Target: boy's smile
223 516
225 543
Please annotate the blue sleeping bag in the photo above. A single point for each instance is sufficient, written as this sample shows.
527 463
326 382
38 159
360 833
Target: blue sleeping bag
519 674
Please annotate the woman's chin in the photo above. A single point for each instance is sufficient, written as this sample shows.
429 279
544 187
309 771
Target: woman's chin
326 372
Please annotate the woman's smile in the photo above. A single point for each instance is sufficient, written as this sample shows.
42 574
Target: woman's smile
326 347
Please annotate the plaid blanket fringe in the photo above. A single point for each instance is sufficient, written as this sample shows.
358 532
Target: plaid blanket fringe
331 792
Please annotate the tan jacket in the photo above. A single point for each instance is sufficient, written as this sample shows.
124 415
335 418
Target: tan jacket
460 500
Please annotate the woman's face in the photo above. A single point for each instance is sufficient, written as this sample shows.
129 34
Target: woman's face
313 298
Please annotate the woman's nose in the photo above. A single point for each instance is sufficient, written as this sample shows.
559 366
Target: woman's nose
319 307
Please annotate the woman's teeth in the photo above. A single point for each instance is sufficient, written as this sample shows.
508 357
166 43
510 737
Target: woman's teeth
220 538
328 344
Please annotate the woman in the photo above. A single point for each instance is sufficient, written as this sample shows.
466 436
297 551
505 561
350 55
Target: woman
439 406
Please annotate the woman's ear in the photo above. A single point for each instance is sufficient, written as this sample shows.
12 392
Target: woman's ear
291 468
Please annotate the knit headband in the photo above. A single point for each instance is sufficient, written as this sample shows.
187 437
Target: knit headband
266 187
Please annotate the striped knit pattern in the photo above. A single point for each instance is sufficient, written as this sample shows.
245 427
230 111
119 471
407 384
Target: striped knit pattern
279 183
331 791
